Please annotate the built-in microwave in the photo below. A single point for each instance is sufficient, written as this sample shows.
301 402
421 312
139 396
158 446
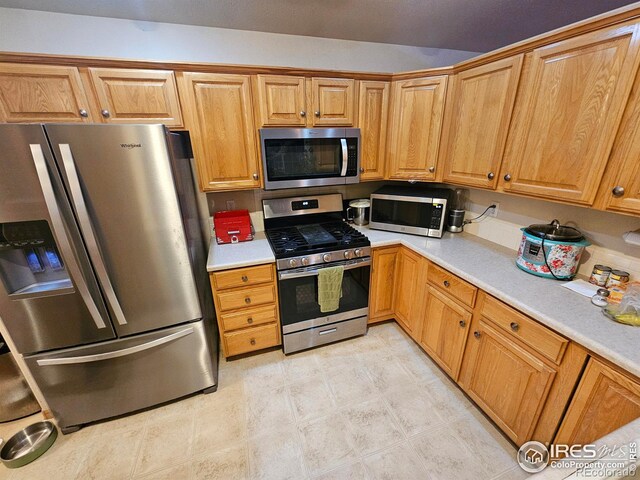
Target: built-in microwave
308 157
416 210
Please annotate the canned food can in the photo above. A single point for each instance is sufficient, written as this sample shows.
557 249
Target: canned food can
617 277
600 275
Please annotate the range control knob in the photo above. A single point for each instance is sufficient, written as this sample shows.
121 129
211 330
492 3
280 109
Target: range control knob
293 262
348 254
304 261
357 252
326 257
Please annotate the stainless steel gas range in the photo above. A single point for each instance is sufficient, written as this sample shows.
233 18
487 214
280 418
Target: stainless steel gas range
308 234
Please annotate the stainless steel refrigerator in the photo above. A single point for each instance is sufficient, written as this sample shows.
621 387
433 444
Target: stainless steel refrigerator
103 283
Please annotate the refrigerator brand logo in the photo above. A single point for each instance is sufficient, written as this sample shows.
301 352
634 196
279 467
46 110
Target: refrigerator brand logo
129 146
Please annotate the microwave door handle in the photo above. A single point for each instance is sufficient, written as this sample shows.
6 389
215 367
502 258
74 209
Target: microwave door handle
86 228
61 236
345 157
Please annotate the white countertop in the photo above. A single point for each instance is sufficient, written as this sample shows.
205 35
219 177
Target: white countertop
492 268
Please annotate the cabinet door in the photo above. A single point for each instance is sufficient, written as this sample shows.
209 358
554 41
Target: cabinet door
137 96
409 286
281 101
383 278
477 121
507 381
445 326
373 111
333 102
605 400
573 94
219 116
41 93
418 108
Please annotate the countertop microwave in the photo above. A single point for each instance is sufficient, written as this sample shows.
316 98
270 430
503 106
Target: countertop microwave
416 210
309 157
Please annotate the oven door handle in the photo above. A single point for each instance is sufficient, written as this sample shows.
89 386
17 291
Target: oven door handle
315 271
345 157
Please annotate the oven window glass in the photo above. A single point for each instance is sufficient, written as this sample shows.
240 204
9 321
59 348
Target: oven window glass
411 214
299 296
295 159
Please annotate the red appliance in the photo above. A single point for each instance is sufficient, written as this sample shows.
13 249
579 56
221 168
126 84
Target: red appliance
232 226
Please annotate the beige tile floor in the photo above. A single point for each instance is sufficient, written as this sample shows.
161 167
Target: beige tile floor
374 407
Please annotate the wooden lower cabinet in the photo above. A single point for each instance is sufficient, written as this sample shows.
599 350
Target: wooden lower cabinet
409 290
381 290
606 400
246 301
445 325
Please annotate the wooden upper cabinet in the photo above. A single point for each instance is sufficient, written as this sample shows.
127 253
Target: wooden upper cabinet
479 106
373 110
418 108
219 114
42 93
445 326
333 101
572 96
137 96
281 101
383 279
506 380
604 401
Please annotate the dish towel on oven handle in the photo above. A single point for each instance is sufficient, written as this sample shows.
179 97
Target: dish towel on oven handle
330 288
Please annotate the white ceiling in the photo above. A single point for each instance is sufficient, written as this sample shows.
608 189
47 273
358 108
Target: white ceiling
473 25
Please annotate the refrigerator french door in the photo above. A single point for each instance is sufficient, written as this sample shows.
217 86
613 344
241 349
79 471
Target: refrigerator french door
103 281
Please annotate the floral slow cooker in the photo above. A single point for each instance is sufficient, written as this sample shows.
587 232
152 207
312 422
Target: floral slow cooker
551 250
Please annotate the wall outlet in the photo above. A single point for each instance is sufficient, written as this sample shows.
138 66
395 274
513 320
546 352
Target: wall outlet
494 211
231 204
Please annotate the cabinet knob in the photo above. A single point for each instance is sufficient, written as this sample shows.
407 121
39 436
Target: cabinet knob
303 113
253 341
446 283
361 170
491 175
317 113
514 326
83 113
256 176
507 178
432 169
105 113
462 323
247 300
250 320
618 191
245 279
476 334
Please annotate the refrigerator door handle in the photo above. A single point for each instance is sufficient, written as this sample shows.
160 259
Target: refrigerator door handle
116 353
87 231
61 235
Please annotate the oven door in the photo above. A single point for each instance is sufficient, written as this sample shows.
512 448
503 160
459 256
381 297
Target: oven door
305 157
416 215
298 294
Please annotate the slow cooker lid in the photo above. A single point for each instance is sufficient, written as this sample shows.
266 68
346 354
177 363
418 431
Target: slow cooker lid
556 232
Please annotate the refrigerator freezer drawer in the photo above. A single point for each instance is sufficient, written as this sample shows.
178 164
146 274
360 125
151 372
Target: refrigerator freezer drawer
104 380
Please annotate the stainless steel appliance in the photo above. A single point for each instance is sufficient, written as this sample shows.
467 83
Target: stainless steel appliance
358 211
416 210
103 285
455 219
308 157
308 234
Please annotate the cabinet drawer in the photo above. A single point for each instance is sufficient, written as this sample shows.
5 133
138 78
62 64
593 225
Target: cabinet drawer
242 277
246 297
248 317
252 339
454 286
535 335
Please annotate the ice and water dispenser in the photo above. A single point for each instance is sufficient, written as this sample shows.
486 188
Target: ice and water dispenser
30 264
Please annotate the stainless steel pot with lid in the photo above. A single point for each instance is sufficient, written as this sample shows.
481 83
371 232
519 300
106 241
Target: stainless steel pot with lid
556 232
